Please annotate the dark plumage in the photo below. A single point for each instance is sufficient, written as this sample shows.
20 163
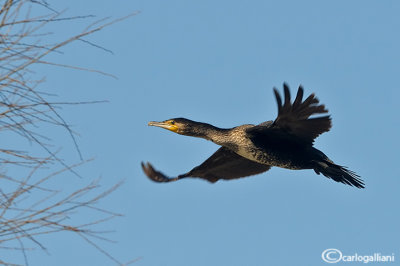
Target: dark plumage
247 150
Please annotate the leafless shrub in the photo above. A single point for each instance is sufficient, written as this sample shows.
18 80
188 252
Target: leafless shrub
29 204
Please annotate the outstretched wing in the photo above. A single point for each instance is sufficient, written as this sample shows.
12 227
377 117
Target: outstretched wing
223 164
295 119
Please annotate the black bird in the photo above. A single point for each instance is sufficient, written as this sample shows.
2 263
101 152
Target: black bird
248 150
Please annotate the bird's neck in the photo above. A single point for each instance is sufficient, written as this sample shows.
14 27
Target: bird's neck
220 136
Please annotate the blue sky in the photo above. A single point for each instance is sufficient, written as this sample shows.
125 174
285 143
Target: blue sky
217 62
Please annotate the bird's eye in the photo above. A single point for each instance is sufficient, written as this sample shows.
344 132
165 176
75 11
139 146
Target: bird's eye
172 122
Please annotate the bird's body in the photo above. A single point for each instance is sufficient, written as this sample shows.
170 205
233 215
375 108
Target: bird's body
248 149
278 153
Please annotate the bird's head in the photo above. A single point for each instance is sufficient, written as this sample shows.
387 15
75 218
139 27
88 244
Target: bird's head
182 126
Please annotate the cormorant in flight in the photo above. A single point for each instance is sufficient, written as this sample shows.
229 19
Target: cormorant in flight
248 150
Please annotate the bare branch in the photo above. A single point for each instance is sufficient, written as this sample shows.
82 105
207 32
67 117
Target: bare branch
30 205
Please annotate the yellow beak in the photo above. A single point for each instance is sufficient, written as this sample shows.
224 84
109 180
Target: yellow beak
165 124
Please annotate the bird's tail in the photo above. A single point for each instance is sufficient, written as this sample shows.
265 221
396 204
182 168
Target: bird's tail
338 173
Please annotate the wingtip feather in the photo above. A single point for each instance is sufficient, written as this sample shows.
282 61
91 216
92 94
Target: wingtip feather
278 99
